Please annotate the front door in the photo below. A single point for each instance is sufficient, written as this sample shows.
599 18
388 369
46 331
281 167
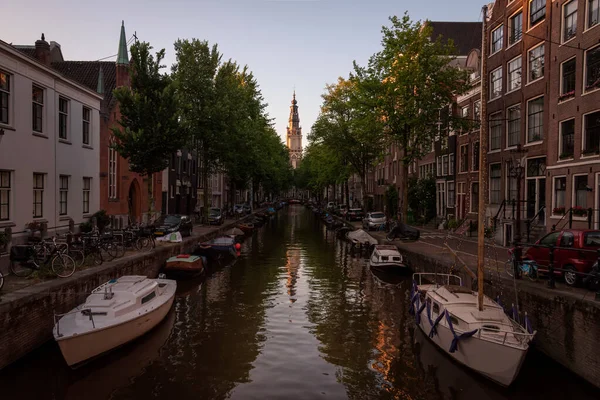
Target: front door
536 198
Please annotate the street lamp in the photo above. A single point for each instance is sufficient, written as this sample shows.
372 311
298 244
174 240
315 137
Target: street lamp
516 171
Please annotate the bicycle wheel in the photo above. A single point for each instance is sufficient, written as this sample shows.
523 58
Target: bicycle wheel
108 251
22 269
509 268
63 265
95 257
145 244
1 280
78 256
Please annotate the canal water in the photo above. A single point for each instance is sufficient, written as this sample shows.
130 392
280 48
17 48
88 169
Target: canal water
295 317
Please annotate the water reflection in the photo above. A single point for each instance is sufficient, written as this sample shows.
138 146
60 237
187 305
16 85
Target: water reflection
296 317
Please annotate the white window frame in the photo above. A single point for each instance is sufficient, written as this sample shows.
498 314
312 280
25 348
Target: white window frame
448 183
529 80
473 163
9 113
86 195
585 71
490 183
536 23
562 21
39 189
510 27
477 111
560 139
452 164
492 97
493 118
527 121
587 15
63 190
445 165
471 197
35 103
66 116
583 134
508 76
554 205
561 87
519 106
574 193
500 29
112 173
6 187
86 123
460 159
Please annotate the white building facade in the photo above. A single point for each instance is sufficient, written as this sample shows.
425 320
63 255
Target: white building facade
49 145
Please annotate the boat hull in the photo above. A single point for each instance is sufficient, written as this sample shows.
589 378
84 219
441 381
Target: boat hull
388 266
493 360
79 348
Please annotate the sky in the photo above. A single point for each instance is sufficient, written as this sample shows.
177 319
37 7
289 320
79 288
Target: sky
301 44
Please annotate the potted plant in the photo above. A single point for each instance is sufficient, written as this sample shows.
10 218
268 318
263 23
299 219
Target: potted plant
591 151
3 241
566 96
579 211
565 156
558 211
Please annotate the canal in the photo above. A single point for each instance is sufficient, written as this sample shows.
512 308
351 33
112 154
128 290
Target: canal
295 317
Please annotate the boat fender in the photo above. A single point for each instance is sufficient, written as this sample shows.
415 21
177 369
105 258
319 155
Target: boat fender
465 335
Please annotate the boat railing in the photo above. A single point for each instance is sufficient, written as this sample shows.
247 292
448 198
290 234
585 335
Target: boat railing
418 277
57 318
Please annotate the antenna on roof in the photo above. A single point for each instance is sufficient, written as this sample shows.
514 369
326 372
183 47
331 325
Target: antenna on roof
135 36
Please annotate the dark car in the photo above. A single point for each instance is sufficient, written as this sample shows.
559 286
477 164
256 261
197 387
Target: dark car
355 214
215 216
576 252
173 223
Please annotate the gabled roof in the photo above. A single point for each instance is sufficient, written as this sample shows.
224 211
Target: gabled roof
87 73
466 35
27 49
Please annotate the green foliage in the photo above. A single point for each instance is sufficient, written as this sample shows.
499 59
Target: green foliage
85 227
453 223
102 220
148 131
421 198
391 199
3 239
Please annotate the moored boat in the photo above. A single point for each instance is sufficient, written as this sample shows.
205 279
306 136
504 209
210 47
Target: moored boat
115 313
185 263
486 341
247 228
386 256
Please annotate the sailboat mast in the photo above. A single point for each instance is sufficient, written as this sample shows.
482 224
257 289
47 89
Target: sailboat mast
483 172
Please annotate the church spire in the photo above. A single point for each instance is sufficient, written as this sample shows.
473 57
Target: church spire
294 133
122 57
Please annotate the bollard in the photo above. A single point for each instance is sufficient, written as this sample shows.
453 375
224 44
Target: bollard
517 262
551 282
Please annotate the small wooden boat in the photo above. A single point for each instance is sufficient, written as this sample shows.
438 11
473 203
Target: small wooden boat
386 256
217 248
115 313
185 263
247 228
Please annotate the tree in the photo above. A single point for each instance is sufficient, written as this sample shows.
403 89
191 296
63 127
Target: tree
148 130
346 125
416 80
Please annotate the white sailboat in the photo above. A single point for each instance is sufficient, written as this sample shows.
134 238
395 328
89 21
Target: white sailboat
115 313
469 326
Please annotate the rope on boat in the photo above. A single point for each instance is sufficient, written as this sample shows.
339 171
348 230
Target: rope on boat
433 324
465 335
515 313
419 311
528 324
414 294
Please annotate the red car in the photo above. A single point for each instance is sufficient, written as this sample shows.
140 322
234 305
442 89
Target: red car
577 252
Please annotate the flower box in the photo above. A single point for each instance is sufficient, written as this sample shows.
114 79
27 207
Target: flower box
558 211
579 211
565 156
566 96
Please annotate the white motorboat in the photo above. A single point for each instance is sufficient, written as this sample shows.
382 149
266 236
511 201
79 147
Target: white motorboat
487 341
115 313
386 256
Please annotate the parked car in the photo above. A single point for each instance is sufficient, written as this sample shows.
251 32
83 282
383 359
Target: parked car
238 209
330 206
173 223
215 216
374 220
355 214
341 210
571 255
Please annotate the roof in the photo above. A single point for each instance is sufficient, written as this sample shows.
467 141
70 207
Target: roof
466 35
27 49
87 72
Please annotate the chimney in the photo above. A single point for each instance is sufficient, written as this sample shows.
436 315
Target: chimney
42 51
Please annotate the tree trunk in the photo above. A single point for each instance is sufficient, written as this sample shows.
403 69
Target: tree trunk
363 187
205 185
403 214
347 194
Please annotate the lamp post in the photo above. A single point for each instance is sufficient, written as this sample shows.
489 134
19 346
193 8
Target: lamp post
516 171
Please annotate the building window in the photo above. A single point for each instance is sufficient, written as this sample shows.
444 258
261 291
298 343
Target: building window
37 111
87 187
495 178
112 173
464 158
85 129
185 165
567 85
475 156
474 197
580 189
537 11
477 113
464 113
38 195
515 27
4 97
497 39
5 195
495 131
438 166
535 120
511 185
591 133
536 167
445 165
63 117
593 12
560 187
64 194
496 83
569 20
592 68
451 195
567 139
172 191
178 164
452 163
536 63
514 74
514 126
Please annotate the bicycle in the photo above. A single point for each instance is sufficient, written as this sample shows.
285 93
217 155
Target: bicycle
24 259
1 280
528 268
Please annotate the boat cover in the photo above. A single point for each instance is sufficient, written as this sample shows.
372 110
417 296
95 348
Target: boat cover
362 237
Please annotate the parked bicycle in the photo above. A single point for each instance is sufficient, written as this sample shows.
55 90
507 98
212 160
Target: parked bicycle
528 268
24 259
1 280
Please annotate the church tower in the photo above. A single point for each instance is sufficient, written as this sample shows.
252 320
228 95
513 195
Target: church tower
294 134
